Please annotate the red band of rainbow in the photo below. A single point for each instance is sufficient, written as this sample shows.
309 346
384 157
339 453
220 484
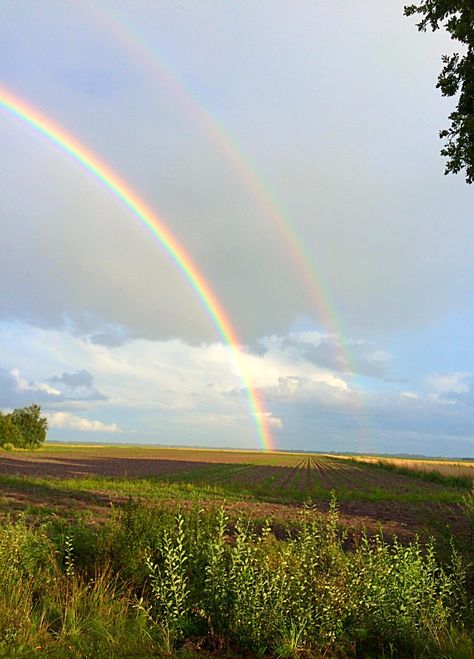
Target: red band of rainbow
157 227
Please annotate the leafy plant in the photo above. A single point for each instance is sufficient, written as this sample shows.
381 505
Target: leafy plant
69 590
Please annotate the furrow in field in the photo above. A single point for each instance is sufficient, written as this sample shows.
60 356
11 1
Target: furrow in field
325 477
346 479
306 479
97 466
255 475
400 483
290 473
226 473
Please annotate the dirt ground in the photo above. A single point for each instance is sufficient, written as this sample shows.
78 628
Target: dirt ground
45 465
397 519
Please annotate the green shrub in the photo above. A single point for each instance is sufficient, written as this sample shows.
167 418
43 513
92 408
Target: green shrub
468 505
305 593
146 581
23 428
31 424
10 435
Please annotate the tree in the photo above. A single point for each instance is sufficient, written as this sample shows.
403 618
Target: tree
9 433
456 77
31 425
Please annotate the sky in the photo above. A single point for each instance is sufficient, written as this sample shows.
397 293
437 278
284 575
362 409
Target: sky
292 149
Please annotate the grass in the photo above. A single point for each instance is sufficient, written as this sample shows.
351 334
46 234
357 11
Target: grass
216 483
150 582
434 471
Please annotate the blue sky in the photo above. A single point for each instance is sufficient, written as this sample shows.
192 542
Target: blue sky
335 106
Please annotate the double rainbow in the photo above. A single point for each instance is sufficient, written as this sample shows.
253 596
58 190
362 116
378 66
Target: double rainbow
313 281
314 284
140 211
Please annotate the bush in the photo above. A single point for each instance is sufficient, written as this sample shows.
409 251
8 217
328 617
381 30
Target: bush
10 435
148 581
30 424
304 594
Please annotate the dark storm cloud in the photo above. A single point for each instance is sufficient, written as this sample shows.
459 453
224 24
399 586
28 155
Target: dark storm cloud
327 351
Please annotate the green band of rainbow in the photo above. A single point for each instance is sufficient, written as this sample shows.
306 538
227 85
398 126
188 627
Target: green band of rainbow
156 226
314 285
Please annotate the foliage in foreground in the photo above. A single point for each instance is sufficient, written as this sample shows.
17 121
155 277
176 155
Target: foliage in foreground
147 581
456 77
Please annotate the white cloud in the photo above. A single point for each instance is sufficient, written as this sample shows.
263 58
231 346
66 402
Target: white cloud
16 391
330 353
25 386
273 421
170 391
73 422
444 383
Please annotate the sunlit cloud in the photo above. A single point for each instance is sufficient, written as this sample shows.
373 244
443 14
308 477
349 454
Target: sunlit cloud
73 422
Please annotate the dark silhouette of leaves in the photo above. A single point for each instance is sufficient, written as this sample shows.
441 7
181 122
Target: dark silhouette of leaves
456 77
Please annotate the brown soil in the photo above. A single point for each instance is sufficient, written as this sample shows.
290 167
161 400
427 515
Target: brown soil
66 466
400 519
355 516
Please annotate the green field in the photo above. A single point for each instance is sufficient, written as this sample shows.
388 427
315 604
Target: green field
143 551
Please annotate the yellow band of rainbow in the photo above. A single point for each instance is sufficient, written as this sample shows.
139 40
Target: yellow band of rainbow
156 226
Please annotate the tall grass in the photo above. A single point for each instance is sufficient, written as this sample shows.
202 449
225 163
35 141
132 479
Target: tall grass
147 580
46 604
442 473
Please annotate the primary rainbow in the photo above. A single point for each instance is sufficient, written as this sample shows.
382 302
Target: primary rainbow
314 283
148 218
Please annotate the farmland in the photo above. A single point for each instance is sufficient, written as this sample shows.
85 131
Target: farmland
73 478
450 468
142 525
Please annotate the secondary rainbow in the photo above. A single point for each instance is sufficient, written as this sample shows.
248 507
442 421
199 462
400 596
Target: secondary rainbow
294 244
305 263
156 226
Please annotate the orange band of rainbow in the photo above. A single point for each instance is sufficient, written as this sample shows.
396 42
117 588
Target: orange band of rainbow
147 217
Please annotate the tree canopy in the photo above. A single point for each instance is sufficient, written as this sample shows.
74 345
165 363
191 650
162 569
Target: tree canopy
456 77
9 433
24 427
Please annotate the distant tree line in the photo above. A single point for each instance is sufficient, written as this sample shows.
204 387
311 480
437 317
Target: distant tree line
23 428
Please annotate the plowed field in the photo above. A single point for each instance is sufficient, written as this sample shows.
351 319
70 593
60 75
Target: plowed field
84 480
